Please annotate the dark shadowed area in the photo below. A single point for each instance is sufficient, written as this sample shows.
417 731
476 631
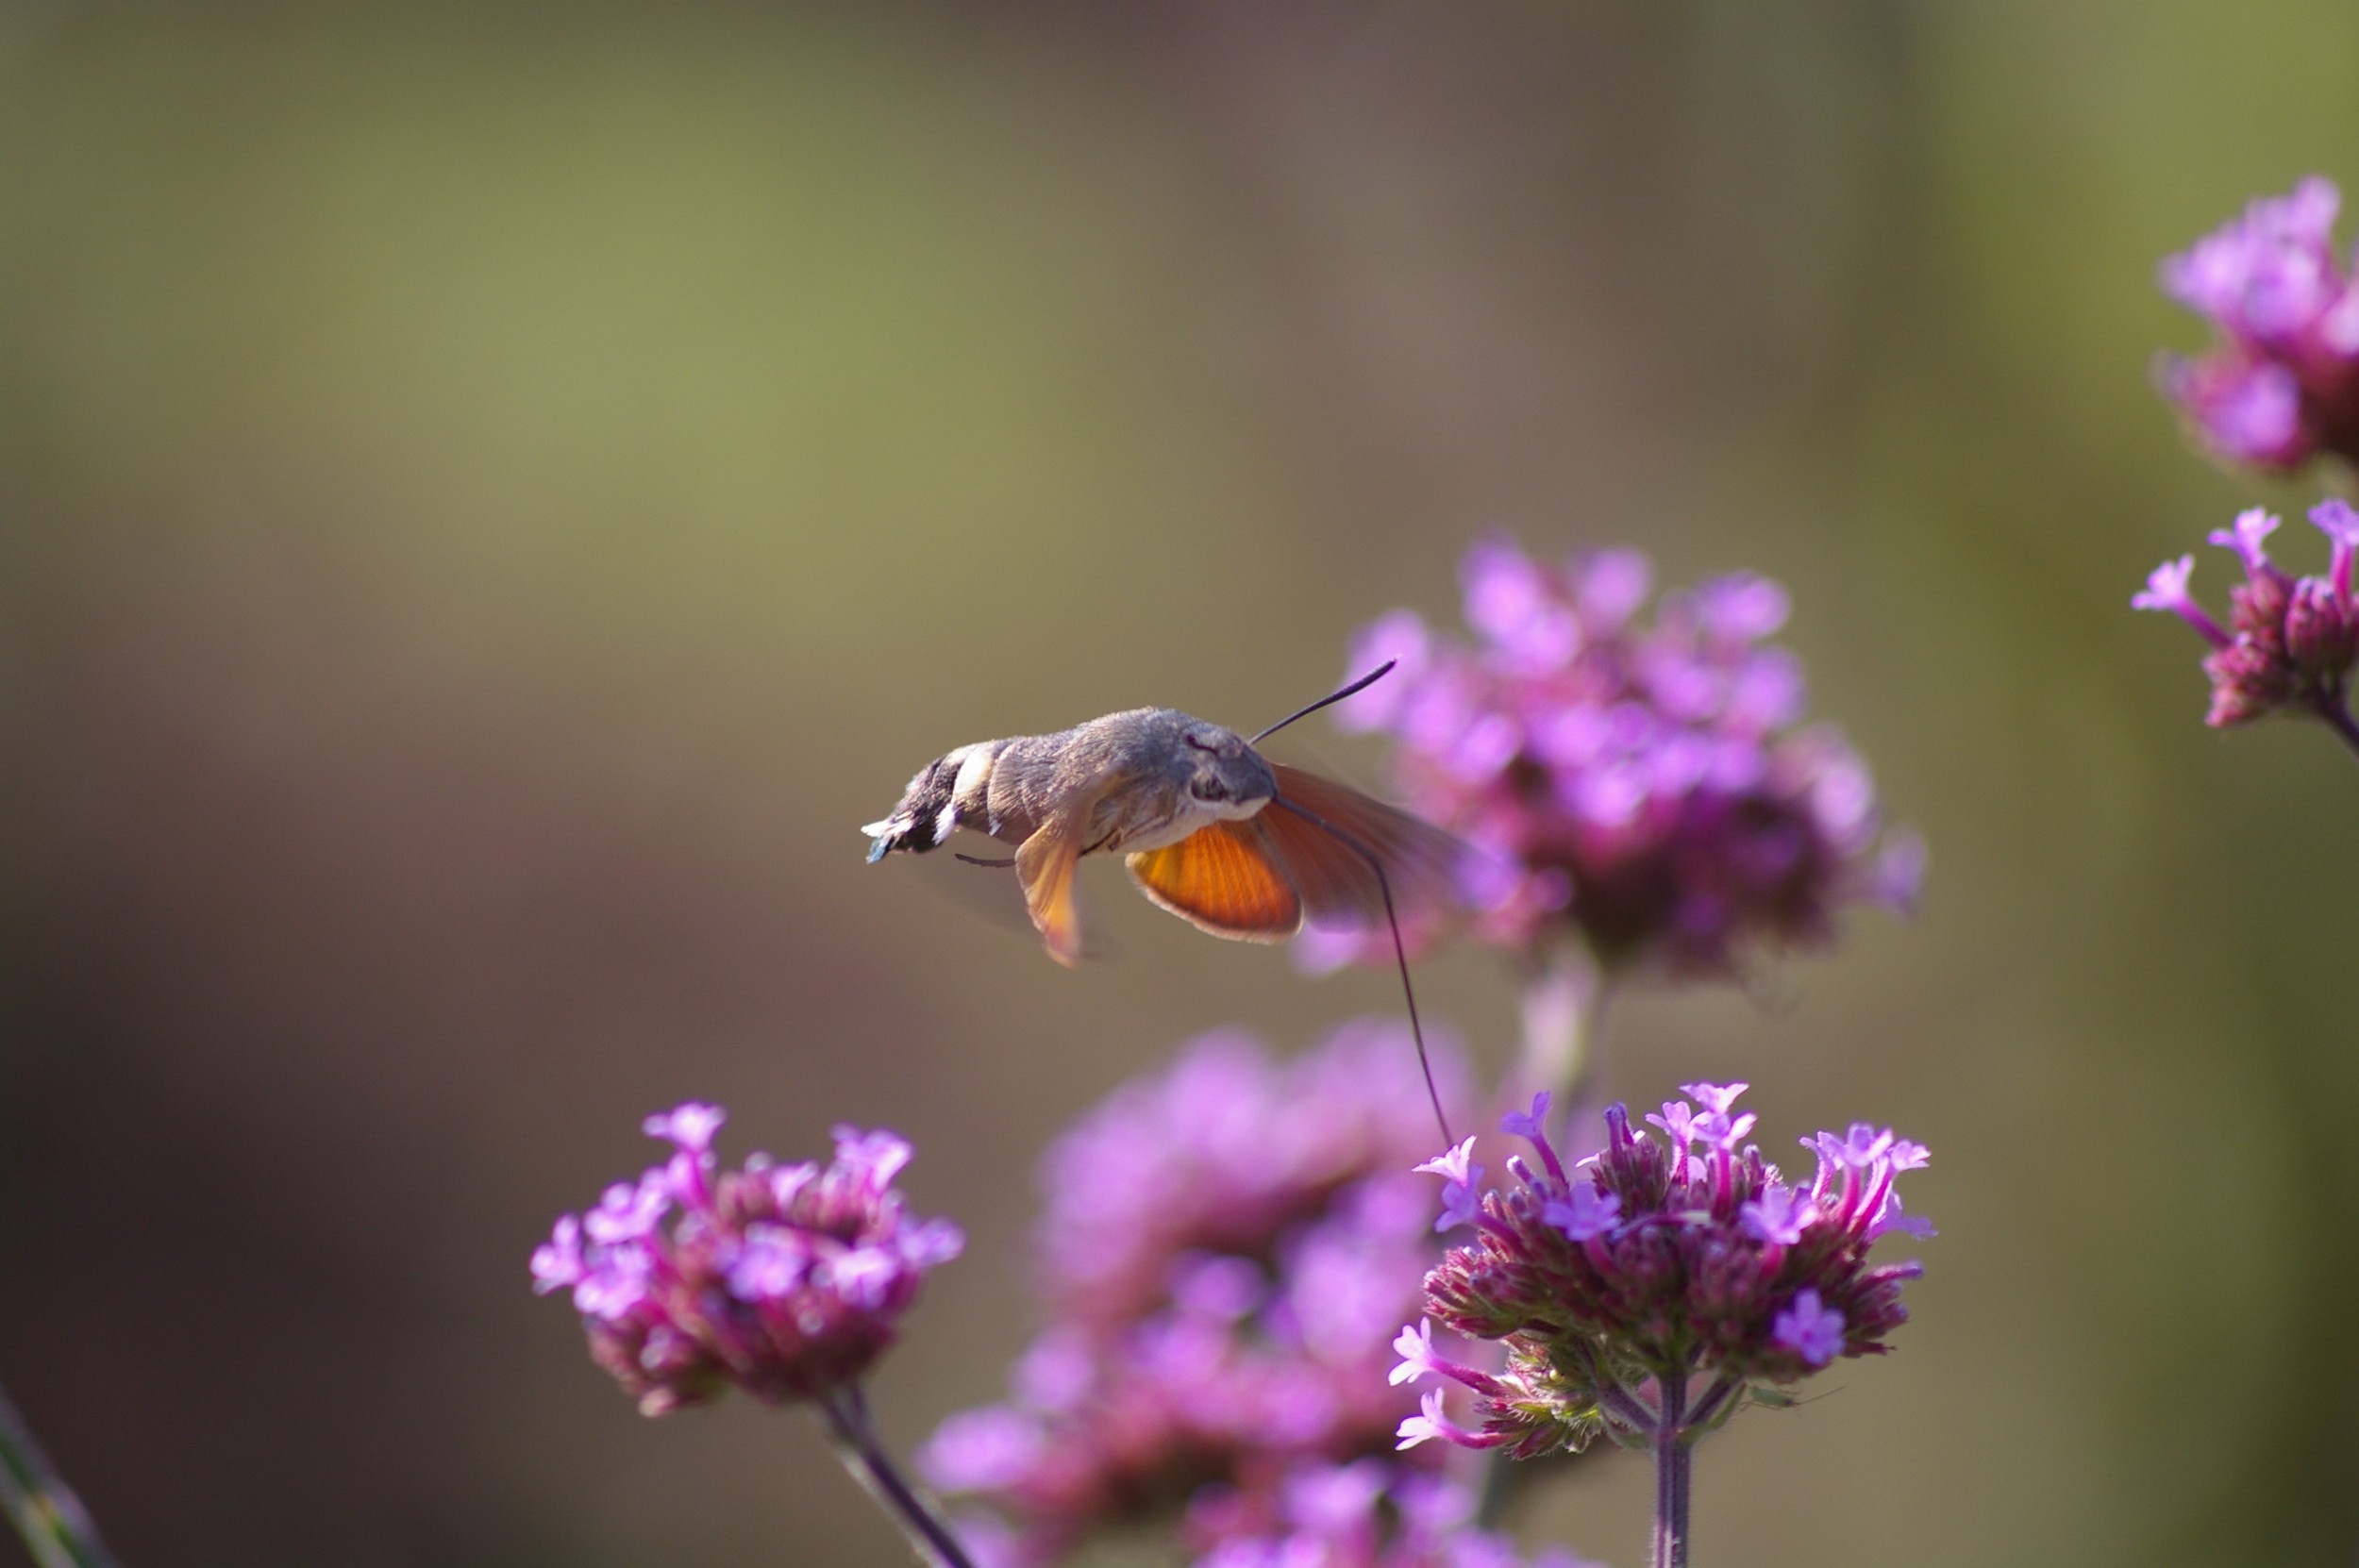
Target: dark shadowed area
493 496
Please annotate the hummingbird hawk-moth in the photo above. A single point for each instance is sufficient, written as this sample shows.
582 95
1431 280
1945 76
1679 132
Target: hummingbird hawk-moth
1210 829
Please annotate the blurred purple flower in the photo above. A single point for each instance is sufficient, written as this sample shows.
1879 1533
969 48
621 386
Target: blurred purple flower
1368 1513
2281 384
786 1281
1691 1258
1644 786
1229 1250
1220 1153
2290 642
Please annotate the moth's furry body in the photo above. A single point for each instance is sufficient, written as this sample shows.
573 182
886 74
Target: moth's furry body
1189 803
1181 774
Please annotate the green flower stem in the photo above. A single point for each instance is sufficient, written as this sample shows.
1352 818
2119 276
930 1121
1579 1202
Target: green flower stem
51 1520
845 1416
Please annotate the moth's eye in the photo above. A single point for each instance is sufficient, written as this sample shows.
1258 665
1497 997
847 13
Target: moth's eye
1208 789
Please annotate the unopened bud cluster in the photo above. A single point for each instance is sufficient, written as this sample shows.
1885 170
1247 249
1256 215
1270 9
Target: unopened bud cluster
1659 1259
784 1280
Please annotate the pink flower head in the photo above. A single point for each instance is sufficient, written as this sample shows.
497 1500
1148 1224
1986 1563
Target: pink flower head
2282 382
2291 643
1711 1265
1642 785
689 1282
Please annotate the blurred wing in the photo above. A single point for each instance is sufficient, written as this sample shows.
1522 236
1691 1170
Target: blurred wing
1044 861
1222 879
1324 845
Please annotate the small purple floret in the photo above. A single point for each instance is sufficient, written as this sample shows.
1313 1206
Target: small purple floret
1585 1214
1461 1176
1810 1329
1779 1214
1529 1124
691 1126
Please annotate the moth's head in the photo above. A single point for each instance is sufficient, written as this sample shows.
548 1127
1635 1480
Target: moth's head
1224 774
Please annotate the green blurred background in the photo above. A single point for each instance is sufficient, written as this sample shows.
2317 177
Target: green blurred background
493 496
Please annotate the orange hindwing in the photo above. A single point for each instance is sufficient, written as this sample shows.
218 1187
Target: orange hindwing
1221 879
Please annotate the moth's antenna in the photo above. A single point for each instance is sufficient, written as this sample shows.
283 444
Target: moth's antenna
1392 918
1361 685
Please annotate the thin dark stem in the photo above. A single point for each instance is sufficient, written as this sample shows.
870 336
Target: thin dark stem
51 1520
1672 1459
846 1415
2338 716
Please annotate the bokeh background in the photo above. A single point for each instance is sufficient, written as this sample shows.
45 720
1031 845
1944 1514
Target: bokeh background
494 495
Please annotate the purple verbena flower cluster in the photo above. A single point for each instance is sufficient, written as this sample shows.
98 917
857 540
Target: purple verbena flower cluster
1643 783
2291 641
1221 1152
2283 382
1659 1261
1369 1513
784 1280
1227 1250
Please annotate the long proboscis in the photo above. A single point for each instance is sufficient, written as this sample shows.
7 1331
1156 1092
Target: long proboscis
1392 919
1353 690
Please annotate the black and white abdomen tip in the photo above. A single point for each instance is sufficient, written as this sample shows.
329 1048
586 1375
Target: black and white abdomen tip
928 811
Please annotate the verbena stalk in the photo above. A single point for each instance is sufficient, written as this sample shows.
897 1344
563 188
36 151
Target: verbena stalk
845 1415
1674 1458
2338 719
56 1527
